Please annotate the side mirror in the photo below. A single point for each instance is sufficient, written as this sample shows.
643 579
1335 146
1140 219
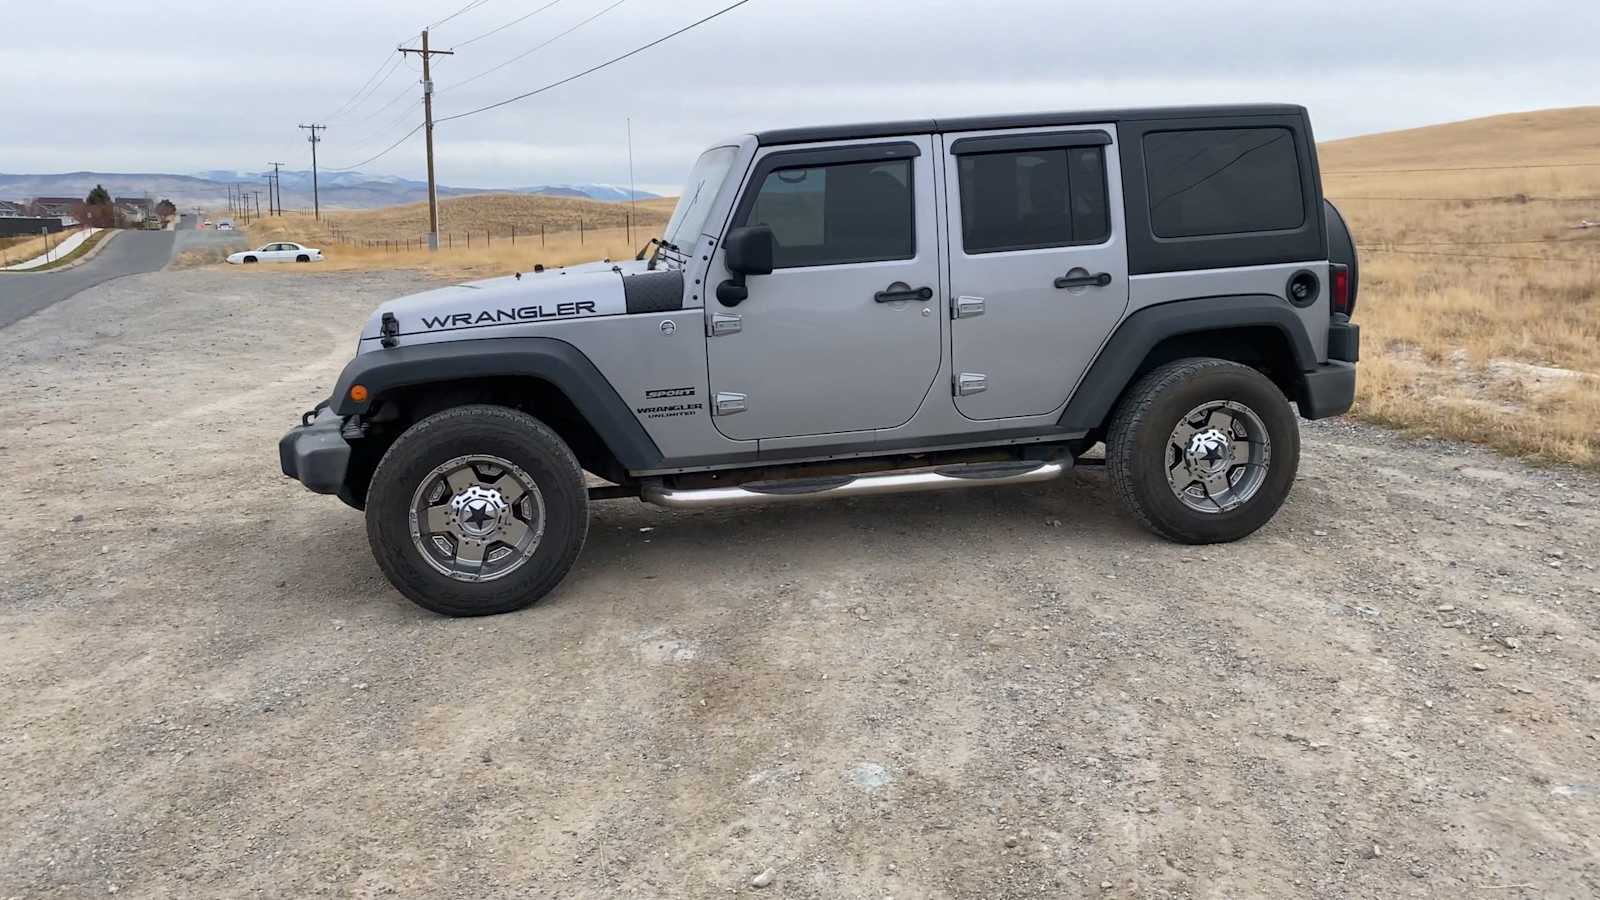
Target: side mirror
748 252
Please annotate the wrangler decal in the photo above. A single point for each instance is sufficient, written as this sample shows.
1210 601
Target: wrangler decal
516 314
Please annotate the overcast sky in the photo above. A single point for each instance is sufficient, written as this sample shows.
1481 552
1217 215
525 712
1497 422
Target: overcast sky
182 86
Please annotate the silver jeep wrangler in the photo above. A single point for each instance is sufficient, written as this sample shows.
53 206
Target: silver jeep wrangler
862 309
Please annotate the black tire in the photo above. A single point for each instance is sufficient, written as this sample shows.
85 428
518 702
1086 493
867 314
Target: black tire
302 258
1138 452
480 429
249 259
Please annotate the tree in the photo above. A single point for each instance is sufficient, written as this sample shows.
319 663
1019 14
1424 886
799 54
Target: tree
166 209
99 197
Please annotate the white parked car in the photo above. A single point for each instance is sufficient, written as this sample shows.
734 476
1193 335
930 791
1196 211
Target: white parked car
282 251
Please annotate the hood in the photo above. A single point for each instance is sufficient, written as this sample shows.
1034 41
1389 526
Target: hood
475 308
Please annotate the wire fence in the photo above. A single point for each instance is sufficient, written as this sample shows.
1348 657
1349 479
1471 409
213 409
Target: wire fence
532 235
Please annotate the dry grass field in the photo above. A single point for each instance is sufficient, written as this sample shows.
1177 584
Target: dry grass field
1480 299
496 213
476 234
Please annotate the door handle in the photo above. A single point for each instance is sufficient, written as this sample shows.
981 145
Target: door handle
902 291
1070 280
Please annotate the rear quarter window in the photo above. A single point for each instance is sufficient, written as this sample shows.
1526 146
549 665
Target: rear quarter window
1216 181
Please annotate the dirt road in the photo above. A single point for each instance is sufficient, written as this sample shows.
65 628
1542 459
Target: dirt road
207 689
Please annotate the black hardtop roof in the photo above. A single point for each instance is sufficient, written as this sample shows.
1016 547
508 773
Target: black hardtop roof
1019 120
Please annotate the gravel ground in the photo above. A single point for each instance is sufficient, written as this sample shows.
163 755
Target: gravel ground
208 690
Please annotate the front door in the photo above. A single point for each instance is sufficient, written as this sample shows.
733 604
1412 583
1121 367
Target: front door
844 335
1038 266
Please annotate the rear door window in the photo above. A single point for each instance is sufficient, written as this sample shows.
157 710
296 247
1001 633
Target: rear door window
1222 181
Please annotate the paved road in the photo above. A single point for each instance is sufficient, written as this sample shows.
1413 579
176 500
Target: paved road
24 293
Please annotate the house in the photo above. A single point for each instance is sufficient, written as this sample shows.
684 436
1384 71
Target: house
136 210
53 207
9 210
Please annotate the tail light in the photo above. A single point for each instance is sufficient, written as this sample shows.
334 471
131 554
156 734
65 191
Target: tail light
1342 303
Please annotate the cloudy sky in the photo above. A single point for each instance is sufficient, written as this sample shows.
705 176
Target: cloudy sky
183 86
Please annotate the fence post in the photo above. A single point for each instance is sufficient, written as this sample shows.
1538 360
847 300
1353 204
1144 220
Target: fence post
630 229
469 238
513 235
541 234
488 239
580 231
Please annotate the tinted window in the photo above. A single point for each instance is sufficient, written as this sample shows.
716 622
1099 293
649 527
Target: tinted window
845 213
1223 181
1026 199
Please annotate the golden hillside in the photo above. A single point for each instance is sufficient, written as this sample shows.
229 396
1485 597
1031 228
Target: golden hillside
498 214
1480 293
1561 135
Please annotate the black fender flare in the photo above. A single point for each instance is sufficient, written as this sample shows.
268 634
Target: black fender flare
548 359
1119 360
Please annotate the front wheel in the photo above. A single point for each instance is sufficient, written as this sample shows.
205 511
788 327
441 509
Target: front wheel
1203 451
249 259
477 510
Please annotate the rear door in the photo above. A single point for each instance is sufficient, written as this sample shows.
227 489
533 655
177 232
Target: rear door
844 335
1038 268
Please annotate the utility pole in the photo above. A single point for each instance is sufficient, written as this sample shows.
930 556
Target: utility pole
316 199
427 130
276 187
258 200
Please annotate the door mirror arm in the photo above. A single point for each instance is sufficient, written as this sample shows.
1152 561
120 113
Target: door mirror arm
733 291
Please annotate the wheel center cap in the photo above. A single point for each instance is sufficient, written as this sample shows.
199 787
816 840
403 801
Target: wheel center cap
479 511
1209 451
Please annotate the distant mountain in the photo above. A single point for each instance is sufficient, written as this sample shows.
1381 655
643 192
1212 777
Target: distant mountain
350 190
609 193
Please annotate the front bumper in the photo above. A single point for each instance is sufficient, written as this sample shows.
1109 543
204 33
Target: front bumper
1328 390
316 453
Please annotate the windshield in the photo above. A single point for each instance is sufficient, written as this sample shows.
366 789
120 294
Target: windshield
689 218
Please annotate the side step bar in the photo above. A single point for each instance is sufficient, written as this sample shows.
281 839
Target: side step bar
943 478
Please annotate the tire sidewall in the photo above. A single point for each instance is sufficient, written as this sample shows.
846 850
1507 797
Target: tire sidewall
1229 383
493 431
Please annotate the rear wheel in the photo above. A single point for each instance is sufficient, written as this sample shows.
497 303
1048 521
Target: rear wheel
302 258
477 510
1203 451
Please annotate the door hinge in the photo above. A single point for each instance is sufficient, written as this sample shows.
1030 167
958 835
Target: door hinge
968 383
722 323
727 404
967 307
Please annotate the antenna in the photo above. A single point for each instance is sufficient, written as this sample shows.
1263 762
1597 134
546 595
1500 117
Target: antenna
633 195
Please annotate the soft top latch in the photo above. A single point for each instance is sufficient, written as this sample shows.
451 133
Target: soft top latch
389 331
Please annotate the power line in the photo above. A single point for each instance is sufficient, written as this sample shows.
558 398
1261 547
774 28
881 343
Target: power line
1559 165
375 72
380 154
1580 241
592 69
492 31
532 50
1480 255
474 4
1503 199
404 92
